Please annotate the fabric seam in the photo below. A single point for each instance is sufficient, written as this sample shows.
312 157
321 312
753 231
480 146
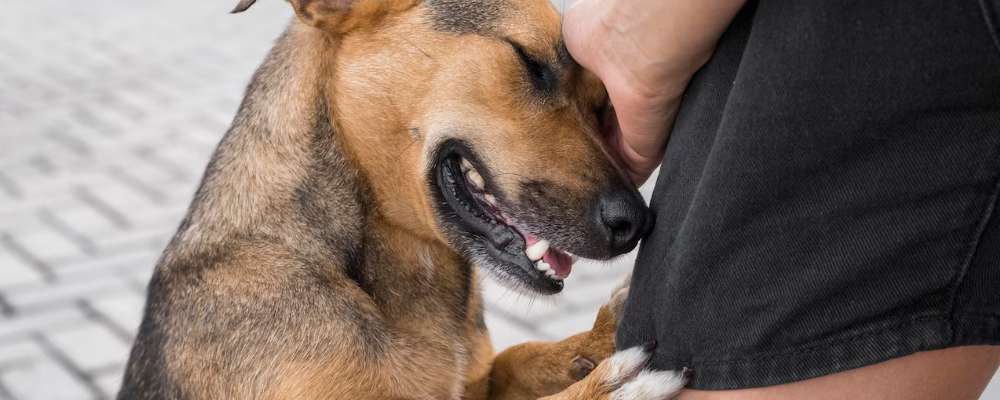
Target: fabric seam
989 14
963 268
871 348
820 346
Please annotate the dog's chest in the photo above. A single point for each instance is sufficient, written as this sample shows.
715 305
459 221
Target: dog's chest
436 347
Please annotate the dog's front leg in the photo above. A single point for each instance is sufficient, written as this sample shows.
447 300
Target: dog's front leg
578 367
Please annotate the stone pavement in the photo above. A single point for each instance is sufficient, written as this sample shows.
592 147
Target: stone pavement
109 110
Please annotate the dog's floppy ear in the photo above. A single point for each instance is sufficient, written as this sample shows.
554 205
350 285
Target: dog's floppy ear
302 5
339 16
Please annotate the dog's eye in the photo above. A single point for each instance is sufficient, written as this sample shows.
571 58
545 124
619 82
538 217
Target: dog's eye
541 75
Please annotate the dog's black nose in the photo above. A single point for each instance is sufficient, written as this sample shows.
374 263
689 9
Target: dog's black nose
625 219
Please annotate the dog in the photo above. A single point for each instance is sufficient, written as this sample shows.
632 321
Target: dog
386 151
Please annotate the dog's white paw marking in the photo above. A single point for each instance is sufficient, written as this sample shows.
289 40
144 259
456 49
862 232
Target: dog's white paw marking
651 385
626 364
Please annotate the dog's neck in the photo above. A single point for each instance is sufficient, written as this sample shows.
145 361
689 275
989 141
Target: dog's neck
268 152
282 174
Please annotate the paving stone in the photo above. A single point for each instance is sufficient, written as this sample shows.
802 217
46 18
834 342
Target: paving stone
45 245
16 272
17 352
43 379
505 333
122 309
102 347
24 325
109 383
107 264
562 325
63 293
83 219
152 239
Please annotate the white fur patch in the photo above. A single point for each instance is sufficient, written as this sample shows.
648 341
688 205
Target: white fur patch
625 364
651 385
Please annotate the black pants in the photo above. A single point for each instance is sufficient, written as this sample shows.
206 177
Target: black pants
828 199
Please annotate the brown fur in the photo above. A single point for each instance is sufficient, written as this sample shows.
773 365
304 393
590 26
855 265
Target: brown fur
312 264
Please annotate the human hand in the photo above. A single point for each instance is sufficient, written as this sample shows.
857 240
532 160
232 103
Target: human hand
645 52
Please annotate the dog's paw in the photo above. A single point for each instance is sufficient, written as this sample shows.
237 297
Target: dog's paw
651 385
625 374
616 304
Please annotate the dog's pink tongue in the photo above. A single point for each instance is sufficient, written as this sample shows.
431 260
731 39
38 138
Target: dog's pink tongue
560 262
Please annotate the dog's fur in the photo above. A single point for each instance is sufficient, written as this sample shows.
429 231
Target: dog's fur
314 262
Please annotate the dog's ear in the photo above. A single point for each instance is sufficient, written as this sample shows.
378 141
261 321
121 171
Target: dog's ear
300 5
340 16
243 6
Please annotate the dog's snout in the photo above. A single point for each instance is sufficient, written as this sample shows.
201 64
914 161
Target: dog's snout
624 218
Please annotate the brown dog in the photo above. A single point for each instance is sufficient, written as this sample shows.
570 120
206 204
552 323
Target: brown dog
383 149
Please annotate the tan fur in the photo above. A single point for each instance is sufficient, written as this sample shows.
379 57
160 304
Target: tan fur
323 174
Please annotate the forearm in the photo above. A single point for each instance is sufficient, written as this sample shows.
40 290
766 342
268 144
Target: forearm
955 373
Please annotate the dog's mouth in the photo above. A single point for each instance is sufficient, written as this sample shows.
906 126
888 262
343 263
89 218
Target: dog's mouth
503 245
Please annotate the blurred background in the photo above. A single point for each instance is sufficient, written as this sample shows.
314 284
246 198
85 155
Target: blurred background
109 110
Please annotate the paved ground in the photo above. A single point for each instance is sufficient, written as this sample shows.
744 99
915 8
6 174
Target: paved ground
108 112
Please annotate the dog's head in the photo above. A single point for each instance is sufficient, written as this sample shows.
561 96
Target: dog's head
474 127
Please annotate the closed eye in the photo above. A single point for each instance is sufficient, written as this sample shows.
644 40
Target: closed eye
542 77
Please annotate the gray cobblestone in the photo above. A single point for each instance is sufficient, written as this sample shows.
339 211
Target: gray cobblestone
109 382
15 271
103 348
124 310
23 325
40 375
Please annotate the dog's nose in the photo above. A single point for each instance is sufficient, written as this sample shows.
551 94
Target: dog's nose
625 219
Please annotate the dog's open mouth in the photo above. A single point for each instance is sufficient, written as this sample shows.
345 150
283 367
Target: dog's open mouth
507 245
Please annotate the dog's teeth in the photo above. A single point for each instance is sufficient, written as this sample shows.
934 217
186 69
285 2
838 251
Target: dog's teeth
474 178
490 199
551 273
543 266
556 277
537 250
466 165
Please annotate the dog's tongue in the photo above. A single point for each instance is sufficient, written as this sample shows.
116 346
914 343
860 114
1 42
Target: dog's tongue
560 262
